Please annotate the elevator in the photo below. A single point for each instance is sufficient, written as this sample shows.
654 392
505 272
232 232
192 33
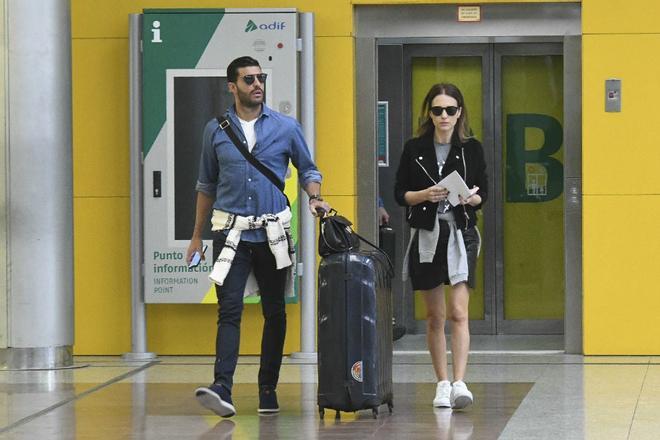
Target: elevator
519 72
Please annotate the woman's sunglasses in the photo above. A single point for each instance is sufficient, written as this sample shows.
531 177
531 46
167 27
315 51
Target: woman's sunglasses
451 110
249 79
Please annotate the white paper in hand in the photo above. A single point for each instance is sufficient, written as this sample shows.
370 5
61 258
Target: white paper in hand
456 187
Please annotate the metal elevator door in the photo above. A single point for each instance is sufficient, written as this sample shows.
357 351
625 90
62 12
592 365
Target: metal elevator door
514 94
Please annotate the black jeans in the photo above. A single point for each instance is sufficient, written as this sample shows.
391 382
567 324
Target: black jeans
271 283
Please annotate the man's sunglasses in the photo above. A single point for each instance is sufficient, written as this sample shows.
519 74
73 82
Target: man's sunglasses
451 110
249 79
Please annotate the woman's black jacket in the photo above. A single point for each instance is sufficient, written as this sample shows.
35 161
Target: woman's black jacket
420 152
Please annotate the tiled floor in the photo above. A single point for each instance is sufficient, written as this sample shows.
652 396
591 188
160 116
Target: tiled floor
517 396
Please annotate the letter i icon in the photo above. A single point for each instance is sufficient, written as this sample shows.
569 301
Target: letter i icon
155 29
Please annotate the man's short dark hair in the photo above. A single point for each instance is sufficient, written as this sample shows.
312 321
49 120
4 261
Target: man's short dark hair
232 69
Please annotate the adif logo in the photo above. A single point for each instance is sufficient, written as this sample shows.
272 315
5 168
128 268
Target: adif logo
274 26
250 26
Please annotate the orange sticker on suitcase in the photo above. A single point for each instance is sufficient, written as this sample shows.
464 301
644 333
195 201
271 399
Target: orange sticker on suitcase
356 371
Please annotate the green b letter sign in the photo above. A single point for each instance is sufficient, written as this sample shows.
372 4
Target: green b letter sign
533 175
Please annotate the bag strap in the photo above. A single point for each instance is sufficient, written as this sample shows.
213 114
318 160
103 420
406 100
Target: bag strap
225 126
380 251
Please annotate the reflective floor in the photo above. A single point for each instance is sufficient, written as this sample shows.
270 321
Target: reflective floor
518 395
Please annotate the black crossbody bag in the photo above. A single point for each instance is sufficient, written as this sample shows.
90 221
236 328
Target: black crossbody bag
225 126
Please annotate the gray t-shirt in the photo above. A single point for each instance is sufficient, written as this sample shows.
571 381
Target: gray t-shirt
441 153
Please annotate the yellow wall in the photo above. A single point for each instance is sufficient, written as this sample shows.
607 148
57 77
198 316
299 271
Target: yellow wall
454 2
621 184
620 299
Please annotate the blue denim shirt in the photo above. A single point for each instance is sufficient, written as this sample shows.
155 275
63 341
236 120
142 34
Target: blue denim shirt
237 186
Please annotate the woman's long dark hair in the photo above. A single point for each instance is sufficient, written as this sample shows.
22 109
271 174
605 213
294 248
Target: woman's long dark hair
426 127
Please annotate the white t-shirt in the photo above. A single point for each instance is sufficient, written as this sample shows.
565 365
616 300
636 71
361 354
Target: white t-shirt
248 131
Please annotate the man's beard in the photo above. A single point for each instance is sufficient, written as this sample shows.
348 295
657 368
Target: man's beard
246 99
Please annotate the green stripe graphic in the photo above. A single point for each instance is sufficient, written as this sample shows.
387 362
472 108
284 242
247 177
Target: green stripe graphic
169 41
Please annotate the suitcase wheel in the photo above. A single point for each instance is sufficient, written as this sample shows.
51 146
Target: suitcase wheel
374 412
390 405
321 412
337 416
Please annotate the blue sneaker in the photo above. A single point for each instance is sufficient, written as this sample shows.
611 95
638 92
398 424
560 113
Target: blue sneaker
216 398
268 401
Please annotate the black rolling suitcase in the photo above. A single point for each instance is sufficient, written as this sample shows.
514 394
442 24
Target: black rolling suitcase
386 241
355 332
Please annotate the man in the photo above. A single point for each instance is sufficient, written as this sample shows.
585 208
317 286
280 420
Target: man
383 215
247 208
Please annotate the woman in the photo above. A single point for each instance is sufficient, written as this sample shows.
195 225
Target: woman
444 242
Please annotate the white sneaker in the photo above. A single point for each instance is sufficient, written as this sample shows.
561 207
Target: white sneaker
442 392
461 397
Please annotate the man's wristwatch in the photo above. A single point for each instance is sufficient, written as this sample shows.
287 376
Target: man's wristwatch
315 197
